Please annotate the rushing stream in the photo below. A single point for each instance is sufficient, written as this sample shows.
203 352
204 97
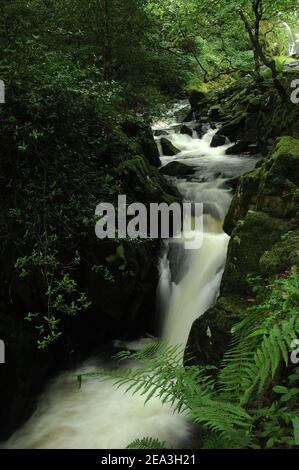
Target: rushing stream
99 416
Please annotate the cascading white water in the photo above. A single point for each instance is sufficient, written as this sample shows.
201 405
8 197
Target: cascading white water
100 416
196 276
293 40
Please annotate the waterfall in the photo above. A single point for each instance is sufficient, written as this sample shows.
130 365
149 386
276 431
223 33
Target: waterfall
100 416
293 40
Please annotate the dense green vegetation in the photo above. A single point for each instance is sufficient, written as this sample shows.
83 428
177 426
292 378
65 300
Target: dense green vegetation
83 80
251 399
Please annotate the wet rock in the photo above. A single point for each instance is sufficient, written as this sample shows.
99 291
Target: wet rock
177 169
200 129
189 117
160 133
242 147
187 131
233 183
210 334
234 128
218 140
168 148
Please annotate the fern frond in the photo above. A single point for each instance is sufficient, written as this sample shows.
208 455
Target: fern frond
147 443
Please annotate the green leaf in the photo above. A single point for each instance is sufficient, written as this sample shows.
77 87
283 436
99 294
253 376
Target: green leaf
280 389
296 430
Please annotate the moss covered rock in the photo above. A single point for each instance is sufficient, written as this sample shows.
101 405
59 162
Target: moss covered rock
210 334
272 187
264 226
177 169
249 241
282 256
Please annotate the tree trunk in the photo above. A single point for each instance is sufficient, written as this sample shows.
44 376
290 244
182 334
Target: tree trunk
258 51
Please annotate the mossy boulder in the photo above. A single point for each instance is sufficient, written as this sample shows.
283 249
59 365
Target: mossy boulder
210 334
177 169
249 241
141 140
281 256
148 184
272 187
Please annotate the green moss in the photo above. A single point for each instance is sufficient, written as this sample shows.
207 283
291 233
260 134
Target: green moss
251 238
149 185
282 256
210 334
286 145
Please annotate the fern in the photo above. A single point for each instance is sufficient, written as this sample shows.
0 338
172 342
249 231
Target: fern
189 390
261 343
226 406
147 443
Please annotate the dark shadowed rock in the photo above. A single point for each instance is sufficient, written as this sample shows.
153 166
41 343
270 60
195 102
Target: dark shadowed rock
218 140
232 183
177 169
196 98
200 130
186 130
168 148
234 128
189 117
242 147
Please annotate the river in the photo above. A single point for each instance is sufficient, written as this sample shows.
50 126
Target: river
99 416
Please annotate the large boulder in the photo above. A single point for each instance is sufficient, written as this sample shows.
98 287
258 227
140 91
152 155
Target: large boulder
242 146
218 140
272 187
177 169
168 148
186 130
233 128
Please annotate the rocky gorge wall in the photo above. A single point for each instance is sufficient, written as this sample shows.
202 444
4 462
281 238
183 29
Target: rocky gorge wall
263 220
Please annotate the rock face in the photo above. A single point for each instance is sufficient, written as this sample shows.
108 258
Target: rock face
263 222
168 148
252 111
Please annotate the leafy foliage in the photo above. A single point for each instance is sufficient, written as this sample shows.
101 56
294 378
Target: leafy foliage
235 404
146 443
